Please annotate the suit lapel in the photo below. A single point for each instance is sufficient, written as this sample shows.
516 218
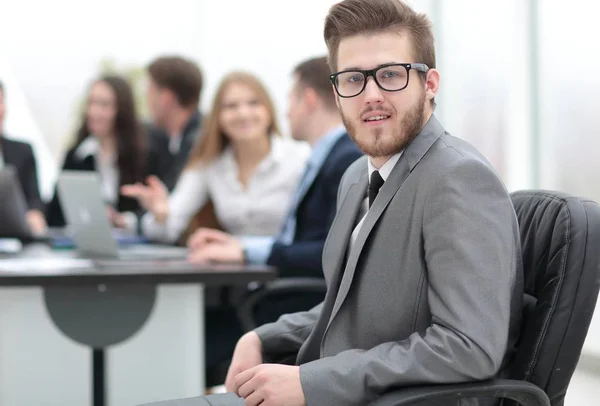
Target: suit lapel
305 184
337 243
313 169
407 162
344 224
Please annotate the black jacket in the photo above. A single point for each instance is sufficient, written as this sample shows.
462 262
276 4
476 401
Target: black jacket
20 155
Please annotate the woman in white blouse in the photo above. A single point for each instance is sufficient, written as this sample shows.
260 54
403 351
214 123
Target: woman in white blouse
242 164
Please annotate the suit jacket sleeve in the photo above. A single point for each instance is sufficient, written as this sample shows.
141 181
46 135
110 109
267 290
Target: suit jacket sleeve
30 181
304 258
470 247
160 158
283 338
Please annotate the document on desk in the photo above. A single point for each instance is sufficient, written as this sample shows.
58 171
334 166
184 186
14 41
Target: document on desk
43 264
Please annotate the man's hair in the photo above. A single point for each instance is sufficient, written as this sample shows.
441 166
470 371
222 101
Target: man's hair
181 76
314 74
353 17
1 87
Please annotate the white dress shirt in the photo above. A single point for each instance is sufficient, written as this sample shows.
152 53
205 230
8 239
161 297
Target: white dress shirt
175 144
105 166
258 209
384 171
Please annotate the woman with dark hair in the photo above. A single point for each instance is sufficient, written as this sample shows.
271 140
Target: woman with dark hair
112 142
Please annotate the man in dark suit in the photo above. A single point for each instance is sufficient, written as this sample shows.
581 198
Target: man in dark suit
20 156
297 251
174 91
423 261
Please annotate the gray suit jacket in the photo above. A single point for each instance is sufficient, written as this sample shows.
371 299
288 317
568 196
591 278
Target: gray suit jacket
431 291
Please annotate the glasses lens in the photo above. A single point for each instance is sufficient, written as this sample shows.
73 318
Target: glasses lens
350 83
392 78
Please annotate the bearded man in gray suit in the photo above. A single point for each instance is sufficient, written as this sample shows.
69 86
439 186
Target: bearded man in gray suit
422 262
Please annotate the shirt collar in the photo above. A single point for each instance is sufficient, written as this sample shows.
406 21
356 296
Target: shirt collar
386 168
175 144
89 146
324 144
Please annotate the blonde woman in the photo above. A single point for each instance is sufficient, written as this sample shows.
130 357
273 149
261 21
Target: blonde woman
243 165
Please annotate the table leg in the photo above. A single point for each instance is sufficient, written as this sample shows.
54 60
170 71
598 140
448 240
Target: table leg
98 377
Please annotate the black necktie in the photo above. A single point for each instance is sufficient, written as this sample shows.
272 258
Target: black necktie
374 186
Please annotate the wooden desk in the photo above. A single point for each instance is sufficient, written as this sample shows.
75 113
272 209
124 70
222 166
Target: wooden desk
118 333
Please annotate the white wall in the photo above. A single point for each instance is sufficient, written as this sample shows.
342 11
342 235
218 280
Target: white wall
268 47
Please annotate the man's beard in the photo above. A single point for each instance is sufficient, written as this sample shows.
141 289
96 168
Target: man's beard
373 142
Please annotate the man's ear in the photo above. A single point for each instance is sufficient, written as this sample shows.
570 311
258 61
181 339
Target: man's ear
432 84
167 97
311 99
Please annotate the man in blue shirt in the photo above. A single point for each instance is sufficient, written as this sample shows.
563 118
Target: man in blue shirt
297 250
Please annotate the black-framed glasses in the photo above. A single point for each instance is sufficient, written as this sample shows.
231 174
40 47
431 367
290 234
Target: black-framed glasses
391 77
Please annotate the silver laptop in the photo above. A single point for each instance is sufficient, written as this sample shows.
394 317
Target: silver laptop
85 212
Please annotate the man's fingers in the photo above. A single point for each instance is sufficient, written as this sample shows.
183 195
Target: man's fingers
197 257
241 378
205 236
254 399
197 240
246 389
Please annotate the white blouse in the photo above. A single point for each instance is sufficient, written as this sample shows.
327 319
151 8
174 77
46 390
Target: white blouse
258 209
106 168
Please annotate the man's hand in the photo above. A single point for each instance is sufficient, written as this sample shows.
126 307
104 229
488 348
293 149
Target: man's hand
270 385
206 236
36 221
247 354
213 245
153 197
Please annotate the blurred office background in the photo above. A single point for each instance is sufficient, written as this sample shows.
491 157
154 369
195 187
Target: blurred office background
519 78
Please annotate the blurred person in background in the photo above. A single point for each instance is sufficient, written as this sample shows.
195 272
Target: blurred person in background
112 142
20 156
173 95
297 248
242 165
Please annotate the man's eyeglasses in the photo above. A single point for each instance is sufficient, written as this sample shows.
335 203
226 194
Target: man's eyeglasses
391 78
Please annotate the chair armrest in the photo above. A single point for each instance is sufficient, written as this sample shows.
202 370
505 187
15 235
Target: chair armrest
279 286
525 393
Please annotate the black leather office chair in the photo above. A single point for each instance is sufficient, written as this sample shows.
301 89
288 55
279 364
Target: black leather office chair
560 235
278 288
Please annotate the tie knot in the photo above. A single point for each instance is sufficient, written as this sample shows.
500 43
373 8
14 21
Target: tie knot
374 185
376 181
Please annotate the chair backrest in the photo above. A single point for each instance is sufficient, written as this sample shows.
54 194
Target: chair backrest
560 236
